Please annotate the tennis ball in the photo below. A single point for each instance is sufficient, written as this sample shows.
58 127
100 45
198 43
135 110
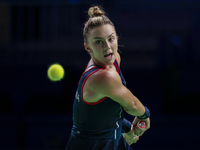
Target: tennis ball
55 72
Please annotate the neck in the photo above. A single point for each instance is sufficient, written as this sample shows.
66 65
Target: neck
96 62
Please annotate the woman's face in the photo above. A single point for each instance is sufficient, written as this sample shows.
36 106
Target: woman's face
102 45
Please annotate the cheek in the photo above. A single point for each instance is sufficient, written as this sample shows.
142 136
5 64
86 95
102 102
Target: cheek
96 51
115 45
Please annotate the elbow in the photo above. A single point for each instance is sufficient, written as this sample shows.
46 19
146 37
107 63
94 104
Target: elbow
133 109
130 108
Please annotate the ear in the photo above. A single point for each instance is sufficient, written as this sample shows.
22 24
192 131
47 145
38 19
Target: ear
87 48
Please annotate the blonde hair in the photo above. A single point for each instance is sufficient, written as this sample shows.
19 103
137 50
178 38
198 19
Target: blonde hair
97 18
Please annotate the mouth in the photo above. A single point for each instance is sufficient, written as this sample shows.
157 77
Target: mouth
109 56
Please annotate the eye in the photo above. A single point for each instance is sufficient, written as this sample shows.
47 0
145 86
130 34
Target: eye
111 39
98 42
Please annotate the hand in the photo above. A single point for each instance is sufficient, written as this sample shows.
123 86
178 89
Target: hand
138 131
130 137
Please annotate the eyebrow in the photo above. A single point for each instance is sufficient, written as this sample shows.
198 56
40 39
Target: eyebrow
102 38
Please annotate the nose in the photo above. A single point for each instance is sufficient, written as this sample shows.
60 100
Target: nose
107 45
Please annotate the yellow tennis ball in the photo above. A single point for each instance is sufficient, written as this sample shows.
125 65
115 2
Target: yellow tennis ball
55 72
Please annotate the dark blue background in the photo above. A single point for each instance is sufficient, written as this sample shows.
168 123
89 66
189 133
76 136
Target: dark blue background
160 62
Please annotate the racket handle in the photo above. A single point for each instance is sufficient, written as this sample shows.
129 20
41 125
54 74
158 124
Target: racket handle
140 125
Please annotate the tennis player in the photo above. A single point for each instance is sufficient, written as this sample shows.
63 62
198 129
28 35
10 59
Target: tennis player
102 95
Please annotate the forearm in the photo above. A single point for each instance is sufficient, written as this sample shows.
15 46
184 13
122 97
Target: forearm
145 115
136 108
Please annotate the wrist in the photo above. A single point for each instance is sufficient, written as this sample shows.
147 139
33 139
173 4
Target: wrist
130 131
145 115
126 126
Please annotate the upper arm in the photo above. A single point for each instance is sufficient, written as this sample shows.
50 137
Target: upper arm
109 84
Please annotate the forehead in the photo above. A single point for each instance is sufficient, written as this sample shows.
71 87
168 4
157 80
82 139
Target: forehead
102 31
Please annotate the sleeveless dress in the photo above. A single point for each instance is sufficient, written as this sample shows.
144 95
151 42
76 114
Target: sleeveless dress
96 126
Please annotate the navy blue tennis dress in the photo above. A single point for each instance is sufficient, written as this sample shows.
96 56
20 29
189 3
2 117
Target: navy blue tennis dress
96 126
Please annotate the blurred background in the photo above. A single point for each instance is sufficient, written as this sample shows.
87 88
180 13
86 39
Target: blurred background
160 62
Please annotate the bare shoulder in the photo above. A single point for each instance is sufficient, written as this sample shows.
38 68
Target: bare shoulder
104 77
103 81
99 84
